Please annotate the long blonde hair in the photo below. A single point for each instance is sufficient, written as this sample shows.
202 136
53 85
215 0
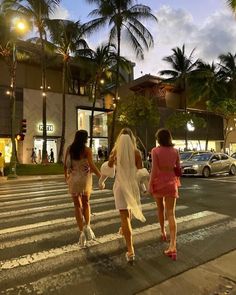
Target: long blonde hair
131 135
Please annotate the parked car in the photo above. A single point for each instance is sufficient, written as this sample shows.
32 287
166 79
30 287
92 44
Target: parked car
187 155
233 155
206 164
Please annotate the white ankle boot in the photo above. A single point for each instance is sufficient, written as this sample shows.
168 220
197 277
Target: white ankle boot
82 239
89 233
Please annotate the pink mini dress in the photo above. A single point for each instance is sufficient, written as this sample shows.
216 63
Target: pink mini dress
163 181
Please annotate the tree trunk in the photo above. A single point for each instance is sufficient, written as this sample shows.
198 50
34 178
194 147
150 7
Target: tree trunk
184 95
186 127
226 133
92 113
112 139
13 160
207 131
44 106
63 126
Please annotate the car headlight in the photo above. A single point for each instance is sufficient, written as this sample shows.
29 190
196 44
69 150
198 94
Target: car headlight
195 166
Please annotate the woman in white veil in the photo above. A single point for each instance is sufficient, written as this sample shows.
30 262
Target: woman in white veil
127 159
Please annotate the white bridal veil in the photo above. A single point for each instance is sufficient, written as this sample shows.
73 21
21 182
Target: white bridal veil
126 175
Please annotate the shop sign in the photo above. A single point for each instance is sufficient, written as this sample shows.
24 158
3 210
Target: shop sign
49 127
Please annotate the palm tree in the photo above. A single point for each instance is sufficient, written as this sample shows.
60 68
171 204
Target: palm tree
7 39
182 65
37 11
103 60
228 72
68 38
205 85
232 5
122 16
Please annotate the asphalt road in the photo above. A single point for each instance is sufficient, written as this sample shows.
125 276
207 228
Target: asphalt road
39 238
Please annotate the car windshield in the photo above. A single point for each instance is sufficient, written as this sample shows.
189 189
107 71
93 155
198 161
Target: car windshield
201 157
185 156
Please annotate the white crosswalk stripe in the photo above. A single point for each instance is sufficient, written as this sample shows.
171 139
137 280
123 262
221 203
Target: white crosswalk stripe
224 180
39 256
38 232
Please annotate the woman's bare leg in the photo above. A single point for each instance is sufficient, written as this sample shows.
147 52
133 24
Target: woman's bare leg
170 212
86 208
161 214
127 230
78 211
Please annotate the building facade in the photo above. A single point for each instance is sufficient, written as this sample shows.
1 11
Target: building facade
29 102
169 101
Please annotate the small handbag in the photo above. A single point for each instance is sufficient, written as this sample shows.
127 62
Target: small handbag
177 171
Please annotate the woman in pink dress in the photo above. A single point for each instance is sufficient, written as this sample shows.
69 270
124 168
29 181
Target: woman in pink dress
164 185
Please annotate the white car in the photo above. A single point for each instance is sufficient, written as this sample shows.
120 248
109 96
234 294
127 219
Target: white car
206 164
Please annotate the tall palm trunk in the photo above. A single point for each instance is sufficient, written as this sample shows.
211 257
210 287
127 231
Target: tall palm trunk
185 110
63 126
112 141
92 113
226 133
44 112
13 111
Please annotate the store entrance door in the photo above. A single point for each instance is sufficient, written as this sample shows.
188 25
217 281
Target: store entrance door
51 144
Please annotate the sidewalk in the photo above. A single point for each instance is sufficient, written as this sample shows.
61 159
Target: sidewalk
28 178
216 277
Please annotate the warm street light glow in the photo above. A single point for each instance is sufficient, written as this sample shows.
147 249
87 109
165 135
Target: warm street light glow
20 25
8 92
43 94
102 81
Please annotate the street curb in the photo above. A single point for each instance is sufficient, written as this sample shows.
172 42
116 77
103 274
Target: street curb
217 277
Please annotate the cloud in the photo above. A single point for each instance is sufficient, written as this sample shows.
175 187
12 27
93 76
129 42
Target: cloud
215 36
60 13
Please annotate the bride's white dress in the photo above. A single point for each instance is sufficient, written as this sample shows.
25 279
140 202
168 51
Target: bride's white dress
126 188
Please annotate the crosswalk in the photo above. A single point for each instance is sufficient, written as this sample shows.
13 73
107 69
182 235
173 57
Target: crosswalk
40 254
231 179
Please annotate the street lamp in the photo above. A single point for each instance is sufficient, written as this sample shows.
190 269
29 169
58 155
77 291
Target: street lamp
18 25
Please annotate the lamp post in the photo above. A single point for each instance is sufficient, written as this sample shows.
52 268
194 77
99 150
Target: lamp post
19 25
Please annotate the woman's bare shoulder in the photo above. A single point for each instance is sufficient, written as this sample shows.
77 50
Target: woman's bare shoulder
87 151
155 149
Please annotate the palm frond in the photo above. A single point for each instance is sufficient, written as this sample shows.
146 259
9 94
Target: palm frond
232 5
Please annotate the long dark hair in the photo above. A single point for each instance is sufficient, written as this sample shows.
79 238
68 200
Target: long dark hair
164 137
78 146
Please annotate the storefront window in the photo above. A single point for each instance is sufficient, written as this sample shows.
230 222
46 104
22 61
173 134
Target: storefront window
198 145
99 123
51 145
6 148
100 131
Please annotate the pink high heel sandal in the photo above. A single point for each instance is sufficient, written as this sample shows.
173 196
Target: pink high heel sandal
171 254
